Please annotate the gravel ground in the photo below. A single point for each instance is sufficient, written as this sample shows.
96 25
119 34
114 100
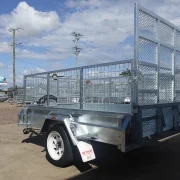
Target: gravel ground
8 113
22 158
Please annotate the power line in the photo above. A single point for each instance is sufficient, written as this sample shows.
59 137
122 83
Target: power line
111 31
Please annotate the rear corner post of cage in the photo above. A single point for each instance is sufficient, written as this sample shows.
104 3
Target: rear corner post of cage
138 128
134 64
174 67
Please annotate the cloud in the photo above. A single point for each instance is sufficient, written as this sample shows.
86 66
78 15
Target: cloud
20 75
32 21
106 25
32 71
87 3
5 48
3 65
55 54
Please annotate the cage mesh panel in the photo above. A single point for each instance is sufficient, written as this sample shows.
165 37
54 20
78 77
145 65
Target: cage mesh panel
177 60
177 39
165 90
166 55
178 97
149 127
36 87
148 51
177 75
177 81
149 112
147 77
165 33
168 116
65 86
156 46
106 87
147 25
147 98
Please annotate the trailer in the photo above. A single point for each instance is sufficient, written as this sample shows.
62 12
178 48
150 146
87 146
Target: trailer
125 103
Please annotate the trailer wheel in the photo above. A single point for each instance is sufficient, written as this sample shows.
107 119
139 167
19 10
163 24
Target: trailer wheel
58 147
52 100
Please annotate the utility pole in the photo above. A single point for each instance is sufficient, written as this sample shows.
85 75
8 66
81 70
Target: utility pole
13 30
77 50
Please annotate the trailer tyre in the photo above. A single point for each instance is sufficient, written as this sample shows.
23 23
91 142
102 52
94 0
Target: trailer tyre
58 147
52 100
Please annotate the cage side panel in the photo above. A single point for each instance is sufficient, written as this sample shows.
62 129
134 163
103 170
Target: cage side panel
149 127
107 88
157 47
168 117
156 123
36 88
64 85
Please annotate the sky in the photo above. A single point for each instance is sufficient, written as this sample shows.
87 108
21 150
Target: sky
46 40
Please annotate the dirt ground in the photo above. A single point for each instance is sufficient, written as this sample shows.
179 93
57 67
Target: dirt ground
23 158
8 113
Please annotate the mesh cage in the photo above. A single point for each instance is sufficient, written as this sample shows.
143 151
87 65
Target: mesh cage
157 56
102 87
168 116
107 87
166 34
149 127
157 63
147 24
36 87
64 85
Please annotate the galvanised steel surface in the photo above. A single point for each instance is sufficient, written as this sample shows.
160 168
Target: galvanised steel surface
157 61
157 58
102 87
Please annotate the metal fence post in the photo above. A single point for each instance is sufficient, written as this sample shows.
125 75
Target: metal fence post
48 76
24 89
81 88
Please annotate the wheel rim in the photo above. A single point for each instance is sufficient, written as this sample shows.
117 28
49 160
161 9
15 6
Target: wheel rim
55 145
52 102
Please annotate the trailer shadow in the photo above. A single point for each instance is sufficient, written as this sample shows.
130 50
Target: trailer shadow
159 160
37 140
148 162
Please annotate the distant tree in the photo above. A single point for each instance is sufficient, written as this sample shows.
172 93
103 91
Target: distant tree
127 72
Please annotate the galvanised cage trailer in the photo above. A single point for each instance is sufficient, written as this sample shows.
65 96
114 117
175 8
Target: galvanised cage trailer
123 103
